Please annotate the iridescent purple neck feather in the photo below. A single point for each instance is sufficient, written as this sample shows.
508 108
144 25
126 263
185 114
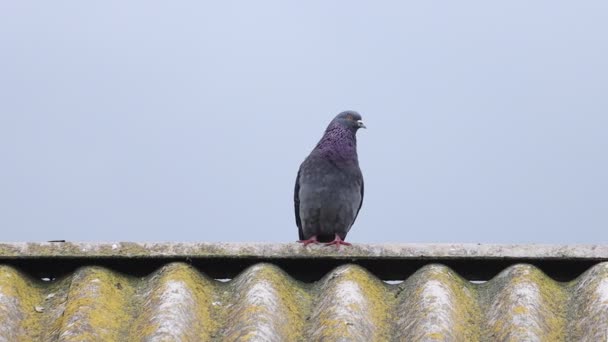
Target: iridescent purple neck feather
338 144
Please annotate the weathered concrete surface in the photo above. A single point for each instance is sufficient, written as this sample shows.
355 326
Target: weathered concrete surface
296 251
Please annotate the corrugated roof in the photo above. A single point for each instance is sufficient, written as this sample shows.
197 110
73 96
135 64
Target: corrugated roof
92 301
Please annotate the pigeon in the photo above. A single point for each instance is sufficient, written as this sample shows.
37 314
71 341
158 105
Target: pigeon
329 186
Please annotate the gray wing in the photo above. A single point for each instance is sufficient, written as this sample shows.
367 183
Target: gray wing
296 204
361 202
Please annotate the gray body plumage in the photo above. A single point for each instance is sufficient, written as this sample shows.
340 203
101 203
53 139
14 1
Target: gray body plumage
329 186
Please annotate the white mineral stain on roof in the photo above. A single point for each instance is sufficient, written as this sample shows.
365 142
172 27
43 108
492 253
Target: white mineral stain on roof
10 317
349 295
589 305
263 295
436 298
174 317
602 291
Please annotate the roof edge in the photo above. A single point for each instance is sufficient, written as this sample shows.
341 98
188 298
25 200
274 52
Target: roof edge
211 250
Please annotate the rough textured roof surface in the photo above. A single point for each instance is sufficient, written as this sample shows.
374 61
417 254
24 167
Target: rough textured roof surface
177 301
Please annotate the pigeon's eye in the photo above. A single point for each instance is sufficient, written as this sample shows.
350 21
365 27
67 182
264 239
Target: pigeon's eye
349 117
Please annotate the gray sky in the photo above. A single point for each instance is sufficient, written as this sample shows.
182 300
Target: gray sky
184 121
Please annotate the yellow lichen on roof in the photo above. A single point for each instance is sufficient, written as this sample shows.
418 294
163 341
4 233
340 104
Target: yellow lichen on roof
175 303
436 302
264 302
350 303
587 309
180 302
522 303
100 306
20 306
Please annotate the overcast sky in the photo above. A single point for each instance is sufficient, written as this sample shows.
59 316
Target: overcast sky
187 120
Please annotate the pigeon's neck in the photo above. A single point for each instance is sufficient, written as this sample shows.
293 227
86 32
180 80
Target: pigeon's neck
338 144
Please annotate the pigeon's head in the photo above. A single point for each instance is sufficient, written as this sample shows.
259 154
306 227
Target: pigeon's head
350 119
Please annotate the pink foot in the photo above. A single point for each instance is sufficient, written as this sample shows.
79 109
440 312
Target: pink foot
312 239
338 241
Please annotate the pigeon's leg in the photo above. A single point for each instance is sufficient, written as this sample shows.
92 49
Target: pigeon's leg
312 239
338 241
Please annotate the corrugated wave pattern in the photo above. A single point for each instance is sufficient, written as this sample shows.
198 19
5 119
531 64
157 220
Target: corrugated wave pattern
178 303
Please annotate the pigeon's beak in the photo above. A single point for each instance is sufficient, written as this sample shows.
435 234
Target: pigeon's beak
360 124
